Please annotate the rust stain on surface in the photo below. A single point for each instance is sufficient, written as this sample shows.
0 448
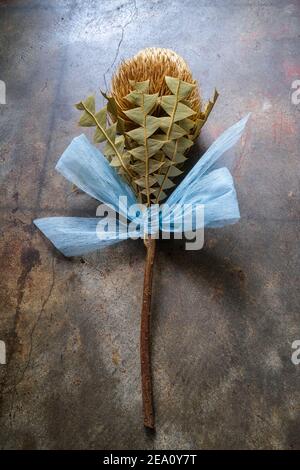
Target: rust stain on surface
30 257
116 357
291 70
283 126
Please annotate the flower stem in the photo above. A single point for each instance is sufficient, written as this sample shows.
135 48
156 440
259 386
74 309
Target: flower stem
145 336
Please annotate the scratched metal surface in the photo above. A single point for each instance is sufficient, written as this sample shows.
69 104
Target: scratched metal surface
224 318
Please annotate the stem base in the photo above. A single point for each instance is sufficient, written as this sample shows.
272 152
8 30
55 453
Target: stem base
145 346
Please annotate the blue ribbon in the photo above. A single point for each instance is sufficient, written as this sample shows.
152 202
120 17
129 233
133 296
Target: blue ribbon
86 167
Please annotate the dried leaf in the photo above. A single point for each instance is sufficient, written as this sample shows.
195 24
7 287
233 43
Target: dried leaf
136 115
151 191
187 124
173 171
152 145
173 108
179 88
165 123
99 136
86 120
180 145
111 104
79 106
153 166
159 194
141 87
111 132
165 182
101 117
90 104
147 102
205 114
142 181
140 134
148 155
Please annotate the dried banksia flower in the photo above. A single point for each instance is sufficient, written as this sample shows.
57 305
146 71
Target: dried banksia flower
155 64
153 115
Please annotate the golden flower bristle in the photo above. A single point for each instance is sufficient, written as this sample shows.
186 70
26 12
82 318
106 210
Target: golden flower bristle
154 64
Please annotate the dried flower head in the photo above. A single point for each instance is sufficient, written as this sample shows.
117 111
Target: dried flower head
152 117
153 64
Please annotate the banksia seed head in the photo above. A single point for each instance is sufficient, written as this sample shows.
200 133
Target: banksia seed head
152 117
153 64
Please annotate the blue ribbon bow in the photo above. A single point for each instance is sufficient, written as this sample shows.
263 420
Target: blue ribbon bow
86 167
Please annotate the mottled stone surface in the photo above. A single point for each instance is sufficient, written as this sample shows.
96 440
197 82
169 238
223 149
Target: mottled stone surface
224 318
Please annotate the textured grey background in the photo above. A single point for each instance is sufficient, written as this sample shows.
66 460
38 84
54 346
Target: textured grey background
224 318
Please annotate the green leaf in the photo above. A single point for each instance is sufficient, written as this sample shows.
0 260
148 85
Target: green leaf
101 117
166 183
160 195
121 125
86 120
111 132
187 124
152 145
161 137
137 134
168 163
147 102
173 171
141 87
152 124
120 143
153 166
108 150
90 103
136 115
180 146
179 158
178 111
79 106
210 104
134 97
178 87
159 143
198 126
116 162
111 104
142 181
176 131
204 115
151 191
184 144
138 152
98 136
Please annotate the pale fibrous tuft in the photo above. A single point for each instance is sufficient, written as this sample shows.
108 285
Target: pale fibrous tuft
153 63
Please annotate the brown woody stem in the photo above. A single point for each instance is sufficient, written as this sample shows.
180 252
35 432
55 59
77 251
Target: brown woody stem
145 335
